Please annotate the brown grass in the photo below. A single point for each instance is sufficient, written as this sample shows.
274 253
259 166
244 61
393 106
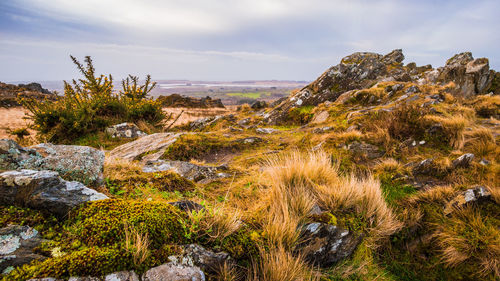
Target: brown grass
469 237
215 222
278 264
454 127
137 243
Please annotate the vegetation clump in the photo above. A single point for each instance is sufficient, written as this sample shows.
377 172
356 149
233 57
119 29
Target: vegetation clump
91 104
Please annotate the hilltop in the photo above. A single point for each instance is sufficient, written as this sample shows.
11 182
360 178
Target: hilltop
376 170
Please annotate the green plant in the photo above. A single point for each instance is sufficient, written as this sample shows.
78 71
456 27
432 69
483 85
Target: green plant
90 104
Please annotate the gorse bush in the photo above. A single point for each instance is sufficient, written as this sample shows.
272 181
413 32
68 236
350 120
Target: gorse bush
90 104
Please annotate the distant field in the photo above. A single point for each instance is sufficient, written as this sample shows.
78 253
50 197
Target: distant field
254 95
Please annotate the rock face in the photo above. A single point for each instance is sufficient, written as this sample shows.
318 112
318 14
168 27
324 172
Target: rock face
44 190
196 255
325 244
174 272
356 71
125 130
148 148
187 170
73 162
472 76
17 244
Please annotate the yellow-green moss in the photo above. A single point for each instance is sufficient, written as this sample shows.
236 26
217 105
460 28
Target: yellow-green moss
102 222
162 181
301 115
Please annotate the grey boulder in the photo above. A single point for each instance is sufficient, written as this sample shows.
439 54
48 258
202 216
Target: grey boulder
125 130
44 190
17 244
174 272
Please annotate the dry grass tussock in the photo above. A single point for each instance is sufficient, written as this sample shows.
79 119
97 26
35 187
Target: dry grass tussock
278 264
137 243
468 236
119 169
215 222
390 165
298 181
454 128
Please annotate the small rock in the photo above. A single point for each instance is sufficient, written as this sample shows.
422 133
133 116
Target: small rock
468 196
369 150
174 272
44 190
233 129
17 244
412 89
265 130
250 140
484 162
244 122
324 244
187 205
424 167
259 105
463 161
88 278
125 130
122 276
187 170
320 117
196 255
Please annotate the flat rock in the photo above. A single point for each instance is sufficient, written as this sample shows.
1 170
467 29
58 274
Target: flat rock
73 162
44 190
174 272
187 170
122 276
147 148
17 244
266 130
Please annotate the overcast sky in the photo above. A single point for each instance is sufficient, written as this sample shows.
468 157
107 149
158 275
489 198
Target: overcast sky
234 39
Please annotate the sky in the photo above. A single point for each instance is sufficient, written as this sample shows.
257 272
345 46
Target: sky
235 39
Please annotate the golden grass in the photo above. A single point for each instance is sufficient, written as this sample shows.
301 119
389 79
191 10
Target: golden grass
390 165
469 237
454 128
215 222
137 243
120 169
278 264
298 181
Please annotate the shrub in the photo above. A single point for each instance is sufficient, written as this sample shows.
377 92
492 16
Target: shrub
301 115
90 104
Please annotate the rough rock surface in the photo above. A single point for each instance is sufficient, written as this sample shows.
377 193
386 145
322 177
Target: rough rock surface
265 130
44 190
174 272
148 148
187 170
125 130
122 276
476 194
88 278
463 161
17 244
202 123
355 71
325 244
196 255
369 150
472 76
73 162
259 105
424 167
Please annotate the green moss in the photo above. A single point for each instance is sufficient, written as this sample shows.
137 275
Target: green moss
301 115
241 245
198 146
46 224
395 191
100 140
162 181
102 222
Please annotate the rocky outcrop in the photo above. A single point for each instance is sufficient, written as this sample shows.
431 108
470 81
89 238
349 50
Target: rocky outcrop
174 272
73 162
187 170
17 244
9 93
176 100
325 244
125 130
44 190
356 71
471 76
148 148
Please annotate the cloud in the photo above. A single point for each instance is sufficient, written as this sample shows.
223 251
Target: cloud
293 39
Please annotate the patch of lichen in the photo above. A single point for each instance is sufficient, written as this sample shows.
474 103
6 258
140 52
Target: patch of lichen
199 146
301 115
102 222
162 181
